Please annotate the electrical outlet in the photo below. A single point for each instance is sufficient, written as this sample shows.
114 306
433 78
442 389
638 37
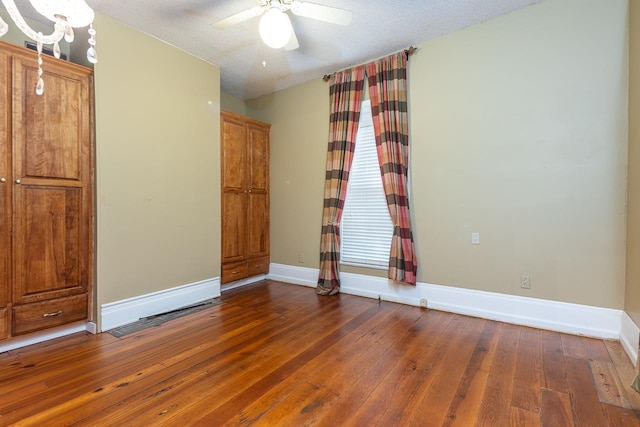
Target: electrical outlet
300 257
423 303
475 238
525 282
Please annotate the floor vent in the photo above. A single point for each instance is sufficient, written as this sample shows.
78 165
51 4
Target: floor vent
159 319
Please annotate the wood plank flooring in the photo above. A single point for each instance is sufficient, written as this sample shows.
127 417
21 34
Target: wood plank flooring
274 354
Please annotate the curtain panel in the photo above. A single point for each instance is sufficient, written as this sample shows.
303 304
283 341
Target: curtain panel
387 80
388 90
345 95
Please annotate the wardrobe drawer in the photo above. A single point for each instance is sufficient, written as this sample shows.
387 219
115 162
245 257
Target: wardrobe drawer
233 272
259 266
48 314
4 323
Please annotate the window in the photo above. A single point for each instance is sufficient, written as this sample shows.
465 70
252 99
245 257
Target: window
366 226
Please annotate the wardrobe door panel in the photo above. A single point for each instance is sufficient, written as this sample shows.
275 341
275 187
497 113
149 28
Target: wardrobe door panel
258 225
234 211
53 124
52 182
233 155
49 243
258 153
51 131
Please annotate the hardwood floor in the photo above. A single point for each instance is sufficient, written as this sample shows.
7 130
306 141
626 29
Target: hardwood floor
274 354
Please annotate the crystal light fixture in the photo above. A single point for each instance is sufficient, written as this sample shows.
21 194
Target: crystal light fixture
275 27
66 15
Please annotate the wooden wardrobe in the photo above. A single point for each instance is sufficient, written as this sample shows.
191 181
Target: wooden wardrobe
245 197
46 193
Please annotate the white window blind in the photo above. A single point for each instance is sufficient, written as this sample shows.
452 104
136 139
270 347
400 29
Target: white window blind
366 227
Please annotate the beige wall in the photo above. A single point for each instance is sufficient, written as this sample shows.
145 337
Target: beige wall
298 153
233 104
518 132
158 185
632 295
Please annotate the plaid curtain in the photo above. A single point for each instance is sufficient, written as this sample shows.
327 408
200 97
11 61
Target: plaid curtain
345 96
389 108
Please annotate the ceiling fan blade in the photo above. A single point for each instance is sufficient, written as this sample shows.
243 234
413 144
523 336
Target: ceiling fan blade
239 17
293 42
321 12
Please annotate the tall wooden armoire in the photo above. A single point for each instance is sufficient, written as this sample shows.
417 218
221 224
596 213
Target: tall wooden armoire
46 193
245 197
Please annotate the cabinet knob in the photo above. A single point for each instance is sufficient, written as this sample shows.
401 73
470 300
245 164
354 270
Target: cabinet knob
3 180
18 181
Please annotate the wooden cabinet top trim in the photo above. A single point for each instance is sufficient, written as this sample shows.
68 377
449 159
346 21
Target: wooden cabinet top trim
228 115
47 60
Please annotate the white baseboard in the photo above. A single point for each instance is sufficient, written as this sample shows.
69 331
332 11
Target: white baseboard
630 338
38 337
565 317
291 274
132 309
243 282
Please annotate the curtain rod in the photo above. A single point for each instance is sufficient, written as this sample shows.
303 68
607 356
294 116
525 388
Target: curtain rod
409 51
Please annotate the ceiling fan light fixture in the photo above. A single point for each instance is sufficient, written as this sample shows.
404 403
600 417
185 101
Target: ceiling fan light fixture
275 28
76 13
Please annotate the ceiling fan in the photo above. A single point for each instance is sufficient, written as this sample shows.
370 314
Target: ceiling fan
275 26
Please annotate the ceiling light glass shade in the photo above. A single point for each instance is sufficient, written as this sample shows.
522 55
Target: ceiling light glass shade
4 28
76 13
66 15
275 28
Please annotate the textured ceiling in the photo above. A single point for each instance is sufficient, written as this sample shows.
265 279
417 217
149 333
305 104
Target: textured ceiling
378 28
